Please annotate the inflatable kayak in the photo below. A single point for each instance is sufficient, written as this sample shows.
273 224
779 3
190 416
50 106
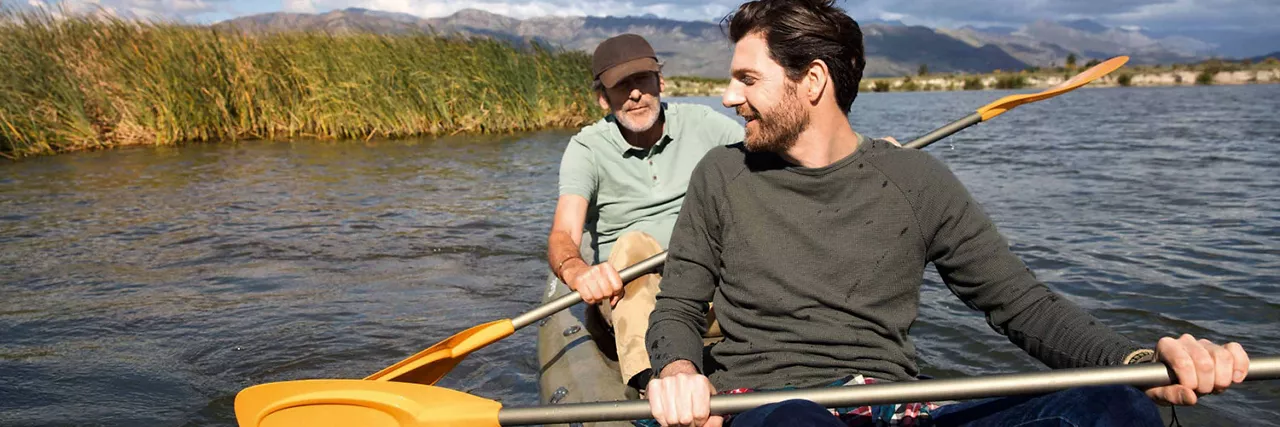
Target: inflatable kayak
572 367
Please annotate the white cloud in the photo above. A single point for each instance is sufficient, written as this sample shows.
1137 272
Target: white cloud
140 9
190 6
890 16
1205 14
300 6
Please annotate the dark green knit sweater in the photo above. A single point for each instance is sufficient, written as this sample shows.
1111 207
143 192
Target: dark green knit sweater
815 273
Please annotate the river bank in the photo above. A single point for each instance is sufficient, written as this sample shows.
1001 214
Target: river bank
1176 75
91 82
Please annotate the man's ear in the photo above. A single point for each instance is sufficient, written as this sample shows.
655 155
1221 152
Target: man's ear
662 84
817 78
603 100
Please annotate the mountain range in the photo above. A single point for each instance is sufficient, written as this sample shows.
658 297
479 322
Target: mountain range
1261 58
699 48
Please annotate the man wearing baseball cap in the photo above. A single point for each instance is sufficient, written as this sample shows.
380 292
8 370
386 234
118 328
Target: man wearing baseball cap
622 181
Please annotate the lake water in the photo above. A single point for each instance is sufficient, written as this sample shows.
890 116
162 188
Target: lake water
146 286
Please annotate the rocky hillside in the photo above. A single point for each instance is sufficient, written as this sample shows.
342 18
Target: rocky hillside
700 49
1047 43
1264 58
687 48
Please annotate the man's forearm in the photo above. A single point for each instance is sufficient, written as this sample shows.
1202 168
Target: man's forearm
561 252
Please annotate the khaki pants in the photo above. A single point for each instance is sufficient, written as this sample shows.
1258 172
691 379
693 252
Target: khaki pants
630 318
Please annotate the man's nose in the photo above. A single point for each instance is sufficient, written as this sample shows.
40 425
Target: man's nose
732 95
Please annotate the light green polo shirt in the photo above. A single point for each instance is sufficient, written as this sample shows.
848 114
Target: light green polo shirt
634 189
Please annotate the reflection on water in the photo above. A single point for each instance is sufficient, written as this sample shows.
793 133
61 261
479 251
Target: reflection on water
148 286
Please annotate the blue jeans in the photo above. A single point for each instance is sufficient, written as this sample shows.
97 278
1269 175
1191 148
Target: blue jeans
1077 407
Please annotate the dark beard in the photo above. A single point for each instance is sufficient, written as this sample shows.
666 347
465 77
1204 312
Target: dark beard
780 129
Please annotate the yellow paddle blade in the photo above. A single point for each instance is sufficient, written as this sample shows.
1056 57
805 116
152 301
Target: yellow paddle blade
430 365
1093 73
320 403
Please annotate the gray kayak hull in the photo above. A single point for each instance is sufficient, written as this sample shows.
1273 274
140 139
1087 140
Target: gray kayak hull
572 367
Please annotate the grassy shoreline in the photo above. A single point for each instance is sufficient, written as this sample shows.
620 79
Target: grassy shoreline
89 82
1206 73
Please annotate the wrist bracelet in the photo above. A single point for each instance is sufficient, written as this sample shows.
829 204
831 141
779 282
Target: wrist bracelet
560 266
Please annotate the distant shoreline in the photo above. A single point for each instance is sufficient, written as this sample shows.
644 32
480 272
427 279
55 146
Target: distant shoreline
1141 76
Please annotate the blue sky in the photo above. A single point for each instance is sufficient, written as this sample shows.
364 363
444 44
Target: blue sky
1176 16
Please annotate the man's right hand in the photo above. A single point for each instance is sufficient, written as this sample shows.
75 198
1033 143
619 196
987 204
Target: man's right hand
595 283
681 396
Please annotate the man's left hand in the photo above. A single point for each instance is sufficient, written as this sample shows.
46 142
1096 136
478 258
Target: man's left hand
1202 368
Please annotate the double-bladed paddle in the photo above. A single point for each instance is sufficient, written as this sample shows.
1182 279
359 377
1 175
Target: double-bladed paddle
382 404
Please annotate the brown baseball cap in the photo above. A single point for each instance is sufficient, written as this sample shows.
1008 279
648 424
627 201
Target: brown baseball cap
621 56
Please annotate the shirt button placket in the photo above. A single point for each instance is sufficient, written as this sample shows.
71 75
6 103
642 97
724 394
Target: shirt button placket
652 171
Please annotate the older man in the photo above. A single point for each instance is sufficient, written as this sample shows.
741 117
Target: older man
623 180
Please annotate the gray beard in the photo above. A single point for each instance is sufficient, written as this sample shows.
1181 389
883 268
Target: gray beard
626 122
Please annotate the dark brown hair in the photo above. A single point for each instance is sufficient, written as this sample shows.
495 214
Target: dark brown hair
801 31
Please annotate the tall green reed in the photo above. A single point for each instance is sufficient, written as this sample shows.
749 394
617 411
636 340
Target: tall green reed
88 82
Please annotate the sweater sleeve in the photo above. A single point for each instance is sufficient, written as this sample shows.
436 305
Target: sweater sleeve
975 262
690 276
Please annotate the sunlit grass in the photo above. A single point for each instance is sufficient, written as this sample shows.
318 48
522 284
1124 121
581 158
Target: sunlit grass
88 82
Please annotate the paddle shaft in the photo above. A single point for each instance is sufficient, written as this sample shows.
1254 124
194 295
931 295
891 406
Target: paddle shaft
1142 376
628 274
945 131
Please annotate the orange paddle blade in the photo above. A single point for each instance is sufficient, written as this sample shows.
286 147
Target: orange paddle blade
321 403
1093 73
430 365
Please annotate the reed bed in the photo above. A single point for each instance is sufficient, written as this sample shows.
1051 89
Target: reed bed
91 82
